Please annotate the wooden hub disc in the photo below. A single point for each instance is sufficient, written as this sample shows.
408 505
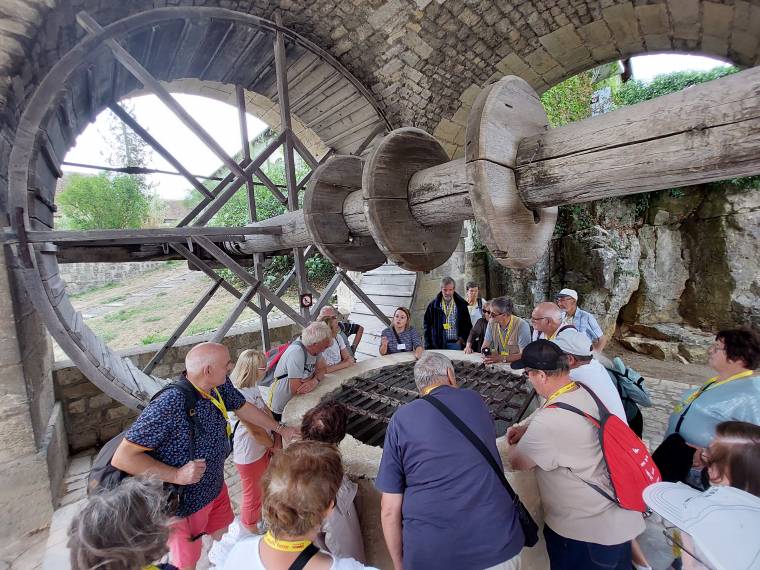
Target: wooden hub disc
385 184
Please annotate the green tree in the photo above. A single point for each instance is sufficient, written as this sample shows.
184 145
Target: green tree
635 91
570 100
103 202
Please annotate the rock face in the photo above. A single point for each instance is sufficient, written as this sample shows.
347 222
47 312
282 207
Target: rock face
663 271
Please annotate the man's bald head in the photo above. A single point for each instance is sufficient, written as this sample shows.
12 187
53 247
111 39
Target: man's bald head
208 363
548 310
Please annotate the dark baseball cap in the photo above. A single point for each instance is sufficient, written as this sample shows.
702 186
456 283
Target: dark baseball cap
539 355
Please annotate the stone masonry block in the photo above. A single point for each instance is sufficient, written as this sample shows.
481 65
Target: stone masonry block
382 16
100 401
714 45
418 45
658 42
446 130
744 45
685 17
469 95
653 19
540 61
77 406
717 19
621 20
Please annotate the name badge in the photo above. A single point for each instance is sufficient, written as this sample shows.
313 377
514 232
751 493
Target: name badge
401 346
446 326
504 353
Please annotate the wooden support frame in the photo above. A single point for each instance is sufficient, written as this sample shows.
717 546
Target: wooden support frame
199 305
203 266
356 290
326 295
235 267
307 253
234 315
127 119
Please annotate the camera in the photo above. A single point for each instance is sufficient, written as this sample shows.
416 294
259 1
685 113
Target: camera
486 351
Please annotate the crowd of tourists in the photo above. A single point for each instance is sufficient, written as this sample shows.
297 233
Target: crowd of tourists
445 500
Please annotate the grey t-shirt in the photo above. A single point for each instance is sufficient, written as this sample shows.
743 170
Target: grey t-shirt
295 362
523 335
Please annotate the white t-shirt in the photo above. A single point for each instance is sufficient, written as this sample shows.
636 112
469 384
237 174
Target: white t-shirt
595 376
332 353
245 556
246 449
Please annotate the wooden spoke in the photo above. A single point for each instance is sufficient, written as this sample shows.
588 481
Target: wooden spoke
183 325
146 236
154 86
158 147
234 315
233 266
356 290
244 141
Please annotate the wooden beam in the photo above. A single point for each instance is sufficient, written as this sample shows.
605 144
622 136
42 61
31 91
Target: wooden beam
227 193
234 315
203 266
117 110
326 295
356 290
303 151
154 86
233 266
702 134
258 265
147 236
189 318
243 123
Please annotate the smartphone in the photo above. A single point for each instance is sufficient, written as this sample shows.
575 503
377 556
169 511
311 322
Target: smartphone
486 351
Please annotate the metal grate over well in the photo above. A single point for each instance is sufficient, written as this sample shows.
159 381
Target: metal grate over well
373 398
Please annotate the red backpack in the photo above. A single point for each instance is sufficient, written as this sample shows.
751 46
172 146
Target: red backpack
630 466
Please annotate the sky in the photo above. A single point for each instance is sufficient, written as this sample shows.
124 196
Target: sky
221 121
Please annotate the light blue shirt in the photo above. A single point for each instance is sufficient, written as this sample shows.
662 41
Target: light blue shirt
736 400
586 323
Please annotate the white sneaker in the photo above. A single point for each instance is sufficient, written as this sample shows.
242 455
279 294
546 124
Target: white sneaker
221 548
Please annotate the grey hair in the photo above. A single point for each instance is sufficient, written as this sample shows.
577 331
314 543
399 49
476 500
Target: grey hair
448 281
503 305
121 529
430 367
315 333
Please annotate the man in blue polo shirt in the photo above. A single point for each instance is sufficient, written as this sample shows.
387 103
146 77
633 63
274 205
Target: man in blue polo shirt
160 443
442 505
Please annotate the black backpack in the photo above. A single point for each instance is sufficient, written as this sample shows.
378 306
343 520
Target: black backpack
104 476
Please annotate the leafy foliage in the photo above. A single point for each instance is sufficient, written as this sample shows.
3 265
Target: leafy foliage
103 202
570 100
635 91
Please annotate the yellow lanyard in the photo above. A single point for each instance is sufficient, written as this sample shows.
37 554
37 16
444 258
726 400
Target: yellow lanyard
219 403
427 389
553 336
509 334
711 383
285 545
564 389
451 308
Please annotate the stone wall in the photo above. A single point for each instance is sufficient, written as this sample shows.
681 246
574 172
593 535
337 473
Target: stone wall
92 417
686 258
82 276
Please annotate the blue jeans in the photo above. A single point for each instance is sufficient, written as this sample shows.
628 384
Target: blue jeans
569 554
453 345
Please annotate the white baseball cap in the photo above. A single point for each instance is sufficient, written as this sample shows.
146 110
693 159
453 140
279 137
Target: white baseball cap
724 522
573 342
568 293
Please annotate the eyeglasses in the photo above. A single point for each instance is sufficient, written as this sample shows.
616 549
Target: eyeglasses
496 314
532 318
486 312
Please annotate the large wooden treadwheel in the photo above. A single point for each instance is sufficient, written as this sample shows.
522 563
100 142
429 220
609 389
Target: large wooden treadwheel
143 51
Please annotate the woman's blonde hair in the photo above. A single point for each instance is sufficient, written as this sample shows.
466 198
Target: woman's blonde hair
326 319
249 368
299 486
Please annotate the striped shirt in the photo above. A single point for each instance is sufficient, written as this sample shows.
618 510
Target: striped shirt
410 338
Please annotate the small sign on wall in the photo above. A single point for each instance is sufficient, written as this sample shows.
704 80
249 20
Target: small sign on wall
306 300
